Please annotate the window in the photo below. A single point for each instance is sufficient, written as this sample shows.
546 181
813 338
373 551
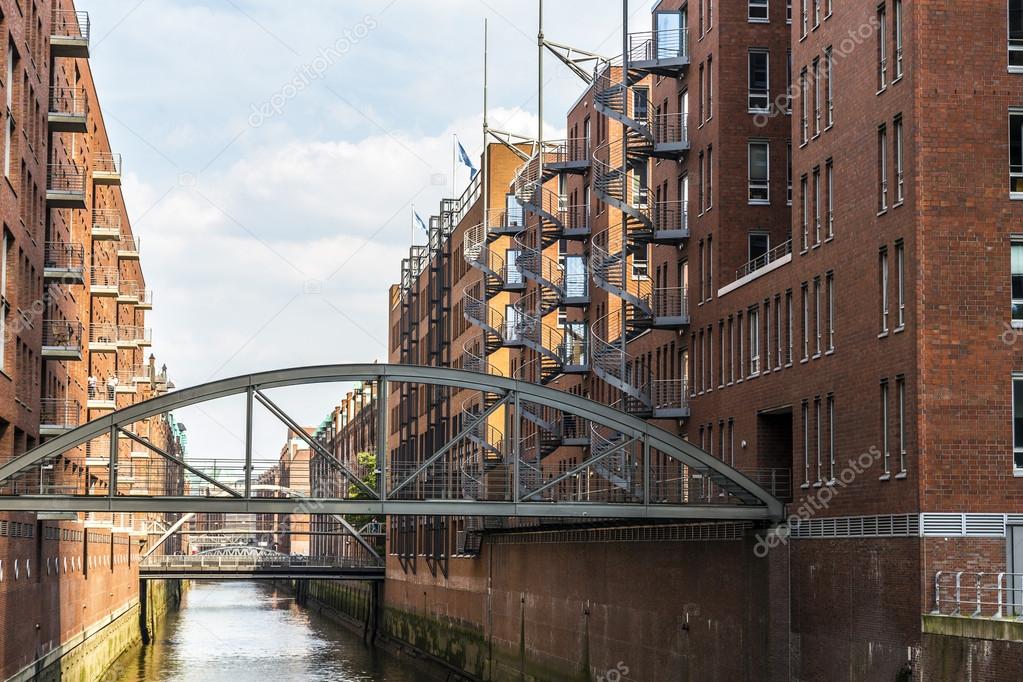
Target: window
898 38
710 267
884 426
1016 153
804 120
788 174
9 137
829 182
640 257
4 305
804 17
882 169
804 197
777 319
702 111
899 171
703 185
759 81
703 268
820 440
806 321
816 13
757 10
817 316
882 49
759 245
900 396
759 172
829 68
831 438
767 335
1016 35
1017 423
788 82
1017 282
830 280
816 206
710 87
883 279
788 11
640 104
710 177
806 440
816 97
900 283
731 350
788 332
754 342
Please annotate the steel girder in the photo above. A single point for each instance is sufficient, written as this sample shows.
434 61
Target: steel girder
757 502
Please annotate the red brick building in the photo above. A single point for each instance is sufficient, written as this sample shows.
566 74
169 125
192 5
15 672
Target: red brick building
803 259
74 342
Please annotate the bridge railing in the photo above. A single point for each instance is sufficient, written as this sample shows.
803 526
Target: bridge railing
254 562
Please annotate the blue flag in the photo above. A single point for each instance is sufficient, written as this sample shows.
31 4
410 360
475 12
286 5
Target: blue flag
464 158
420 221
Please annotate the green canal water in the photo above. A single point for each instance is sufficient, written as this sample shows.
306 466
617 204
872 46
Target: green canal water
234 631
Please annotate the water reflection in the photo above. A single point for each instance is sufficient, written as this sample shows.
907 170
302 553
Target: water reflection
231 631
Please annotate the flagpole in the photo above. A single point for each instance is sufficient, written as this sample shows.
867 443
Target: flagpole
412 224
484 179
454 138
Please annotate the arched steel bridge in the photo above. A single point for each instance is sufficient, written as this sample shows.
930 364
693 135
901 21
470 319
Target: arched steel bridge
631 468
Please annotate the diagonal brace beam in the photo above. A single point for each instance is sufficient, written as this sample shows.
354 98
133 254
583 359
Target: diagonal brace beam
166 455
572 472
451 443
322 451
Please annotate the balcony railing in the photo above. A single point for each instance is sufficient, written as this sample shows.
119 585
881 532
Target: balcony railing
128 246
57 414
65 185
106 223
128 291
145 299
62 339
69 33
670 398
763 261
68 110
657 45
102 336
104 280
775 480
64 261
106 167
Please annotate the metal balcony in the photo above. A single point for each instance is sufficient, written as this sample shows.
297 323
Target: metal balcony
68 110
669 308
64 263
65 186
670 398
62 340
142 336
102 396
145 299
504 222
102 338
103 280
568 156
128 291
664 52
57 416
128 247
106 168
106 224
69 34
126 380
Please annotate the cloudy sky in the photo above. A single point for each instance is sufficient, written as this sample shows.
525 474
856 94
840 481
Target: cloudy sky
272 151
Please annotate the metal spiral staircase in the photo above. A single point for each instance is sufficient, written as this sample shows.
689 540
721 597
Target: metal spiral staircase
474 356
498 274
567 288
557 220
497 331
616 464
614 365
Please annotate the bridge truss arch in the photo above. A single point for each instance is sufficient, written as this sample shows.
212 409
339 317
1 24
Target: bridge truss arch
491 460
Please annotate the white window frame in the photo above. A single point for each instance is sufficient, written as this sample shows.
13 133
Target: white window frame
1016 242
829 66
897 28
883 257
829 172
1016 172
753 321
882 152
758 186
900 396
804 114
900 283
899 160
817 316
763 11
882 48
1017 448
765 96
1015 46
831 439
884 428
817 206
829 281
804 17
820 441
806 443
816 64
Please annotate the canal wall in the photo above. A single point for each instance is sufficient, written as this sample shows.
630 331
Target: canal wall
85 656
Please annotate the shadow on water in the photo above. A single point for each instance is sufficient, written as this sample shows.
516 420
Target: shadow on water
231 631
